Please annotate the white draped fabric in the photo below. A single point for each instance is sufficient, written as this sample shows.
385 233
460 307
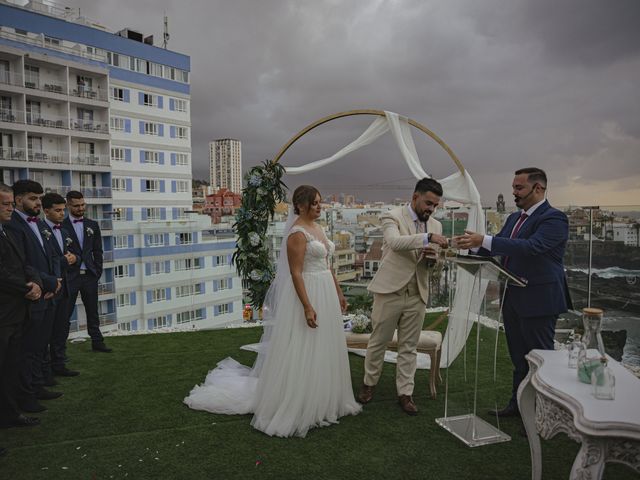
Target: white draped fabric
458 187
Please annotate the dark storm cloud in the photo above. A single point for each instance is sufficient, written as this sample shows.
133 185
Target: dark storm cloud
505 84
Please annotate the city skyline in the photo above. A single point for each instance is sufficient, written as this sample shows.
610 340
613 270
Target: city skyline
506 86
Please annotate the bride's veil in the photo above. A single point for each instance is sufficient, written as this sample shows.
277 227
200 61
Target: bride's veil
273 296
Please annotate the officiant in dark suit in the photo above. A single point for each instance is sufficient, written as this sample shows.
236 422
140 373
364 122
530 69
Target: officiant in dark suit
19 286
54 206
532 244
85 274
32 234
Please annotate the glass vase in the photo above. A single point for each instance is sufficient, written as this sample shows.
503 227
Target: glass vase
589 358
603 382
575 347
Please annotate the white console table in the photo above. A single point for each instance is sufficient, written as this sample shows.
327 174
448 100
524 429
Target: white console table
552 400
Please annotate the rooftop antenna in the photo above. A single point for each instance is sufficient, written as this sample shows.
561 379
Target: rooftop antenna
165 35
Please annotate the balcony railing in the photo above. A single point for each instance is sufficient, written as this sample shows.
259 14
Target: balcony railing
11 78
39 41
108 319
48 157
107 256
106 288
49 121
11 115
105 224
89 192
84 92
11 153
89 125
90 160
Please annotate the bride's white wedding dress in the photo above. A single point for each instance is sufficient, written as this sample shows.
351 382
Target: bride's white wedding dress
305 380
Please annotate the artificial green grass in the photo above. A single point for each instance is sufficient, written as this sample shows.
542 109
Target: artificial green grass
123 417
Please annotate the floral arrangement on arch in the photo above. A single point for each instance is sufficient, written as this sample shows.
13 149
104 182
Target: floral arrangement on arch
263 190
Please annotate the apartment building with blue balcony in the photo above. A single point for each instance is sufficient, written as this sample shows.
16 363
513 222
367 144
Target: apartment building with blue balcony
109 115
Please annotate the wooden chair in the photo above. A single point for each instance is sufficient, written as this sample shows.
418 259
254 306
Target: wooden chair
430 343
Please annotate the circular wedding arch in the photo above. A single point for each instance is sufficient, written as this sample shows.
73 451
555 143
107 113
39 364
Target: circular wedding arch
379 113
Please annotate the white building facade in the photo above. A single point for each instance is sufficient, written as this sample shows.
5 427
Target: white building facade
225 164
109 115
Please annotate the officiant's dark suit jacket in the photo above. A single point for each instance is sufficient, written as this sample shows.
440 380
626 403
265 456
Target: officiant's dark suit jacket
91 251
536 254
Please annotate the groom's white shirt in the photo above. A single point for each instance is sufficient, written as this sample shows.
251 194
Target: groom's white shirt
401 253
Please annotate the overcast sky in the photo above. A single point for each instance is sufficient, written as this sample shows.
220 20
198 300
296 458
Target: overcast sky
507 84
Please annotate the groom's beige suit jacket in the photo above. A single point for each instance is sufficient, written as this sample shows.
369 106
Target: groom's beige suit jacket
401 253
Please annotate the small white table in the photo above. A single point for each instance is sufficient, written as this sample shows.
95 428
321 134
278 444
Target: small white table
552 400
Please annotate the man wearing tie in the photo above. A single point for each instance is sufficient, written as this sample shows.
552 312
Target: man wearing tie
53 205
532 244
19 286
31 232
401 289
85 274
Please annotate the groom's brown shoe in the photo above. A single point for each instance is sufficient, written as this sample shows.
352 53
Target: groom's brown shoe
407 405
366 394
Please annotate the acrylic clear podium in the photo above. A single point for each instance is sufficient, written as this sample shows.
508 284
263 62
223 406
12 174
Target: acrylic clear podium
468 427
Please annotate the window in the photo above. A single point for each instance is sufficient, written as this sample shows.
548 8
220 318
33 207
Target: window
219 260
222 309
188 290
121 241
149 100
156 268
117 124
118 214
31 76
121 271
185 238
180 105
223 284
158 295
182 159
119 184
36 176
159 322
113 59
182 132
151 157
182 186
181 213
50 41
189 316
154 239
188 264
153 213
117 154
151 185
150 128
117 94
123 299
125 326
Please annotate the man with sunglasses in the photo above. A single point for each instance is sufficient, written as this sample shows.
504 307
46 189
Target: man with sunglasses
532 244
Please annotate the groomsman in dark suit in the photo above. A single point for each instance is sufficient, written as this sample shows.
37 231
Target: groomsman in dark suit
85 273
19 286
31 232
53 205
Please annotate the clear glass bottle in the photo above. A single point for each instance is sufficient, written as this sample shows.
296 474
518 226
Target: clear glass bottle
603 381
589 358
575 347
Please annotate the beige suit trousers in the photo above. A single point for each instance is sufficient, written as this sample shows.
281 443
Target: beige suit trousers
403 311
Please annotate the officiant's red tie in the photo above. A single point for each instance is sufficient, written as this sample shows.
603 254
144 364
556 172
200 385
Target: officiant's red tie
514 233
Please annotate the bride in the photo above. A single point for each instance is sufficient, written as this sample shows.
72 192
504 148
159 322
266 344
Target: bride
301 377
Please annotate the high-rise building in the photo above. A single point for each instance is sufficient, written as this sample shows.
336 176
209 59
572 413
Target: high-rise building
109 114
225 164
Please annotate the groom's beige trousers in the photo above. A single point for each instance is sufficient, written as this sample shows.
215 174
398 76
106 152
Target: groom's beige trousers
402 310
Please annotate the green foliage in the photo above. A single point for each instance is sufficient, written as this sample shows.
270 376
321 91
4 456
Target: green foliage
362 302
263 191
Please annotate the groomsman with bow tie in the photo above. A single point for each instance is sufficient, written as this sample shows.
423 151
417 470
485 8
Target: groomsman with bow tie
19 286
85 274
32 233
54 209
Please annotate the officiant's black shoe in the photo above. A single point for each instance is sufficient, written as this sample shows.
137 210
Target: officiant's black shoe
44 394
407 405
101 347
21 421
65 372
365 394
511 410
31 405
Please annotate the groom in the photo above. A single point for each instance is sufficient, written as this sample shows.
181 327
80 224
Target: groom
401 289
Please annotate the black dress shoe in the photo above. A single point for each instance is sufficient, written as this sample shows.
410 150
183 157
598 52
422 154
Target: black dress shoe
50 382
32 406
21 421
510 410
44 394
101 347
65 372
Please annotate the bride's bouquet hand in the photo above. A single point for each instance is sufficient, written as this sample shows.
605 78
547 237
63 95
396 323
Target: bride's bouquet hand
311 317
